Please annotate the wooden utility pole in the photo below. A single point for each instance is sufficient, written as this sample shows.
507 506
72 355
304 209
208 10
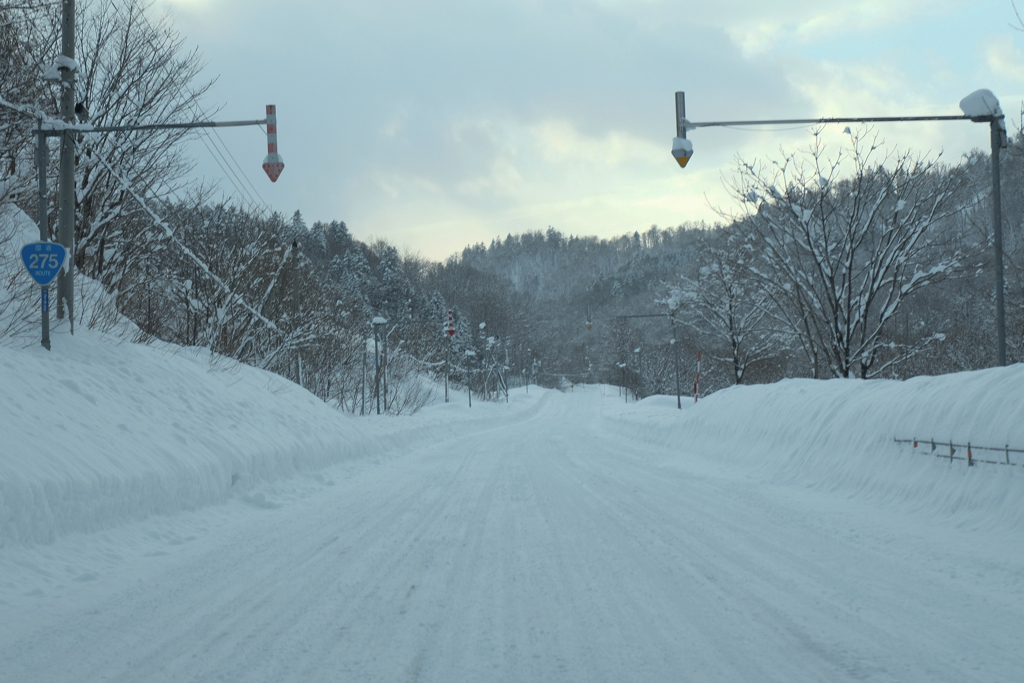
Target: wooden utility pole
66 179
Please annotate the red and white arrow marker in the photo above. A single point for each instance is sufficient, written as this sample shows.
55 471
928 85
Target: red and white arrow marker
273 164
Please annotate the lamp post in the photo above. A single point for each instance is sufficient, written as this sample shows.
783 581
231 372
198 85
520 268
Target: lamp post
980 106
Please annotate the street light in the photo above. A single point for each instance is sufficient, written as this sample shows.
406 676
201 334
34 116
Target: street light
981 106
682 149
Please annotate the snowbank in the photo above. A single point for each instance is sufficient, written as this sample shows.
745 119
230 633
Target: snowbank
838 436
99 431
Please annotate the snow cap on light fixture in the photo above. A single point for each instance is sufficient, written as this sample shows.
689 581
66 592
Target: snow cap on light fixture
682 150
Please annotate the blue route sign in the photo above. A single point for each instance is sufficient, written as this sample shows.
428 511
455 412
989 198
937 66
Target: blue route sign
43 260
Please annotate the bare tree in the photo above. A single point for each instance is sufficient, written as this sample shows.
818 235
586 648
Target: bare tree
131 70
21 89
841 256
726 304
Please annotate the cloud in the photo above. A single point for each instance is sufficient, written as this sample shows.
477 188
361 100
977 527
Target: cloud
463 120
765 27
1004 60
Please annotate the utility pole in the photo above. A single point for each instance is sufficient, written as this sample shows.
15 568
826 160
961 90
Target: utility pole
66 183
66 177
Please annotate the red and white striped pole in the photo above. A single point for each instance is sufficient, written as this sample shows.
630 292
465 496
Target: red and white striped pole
273 164
696 382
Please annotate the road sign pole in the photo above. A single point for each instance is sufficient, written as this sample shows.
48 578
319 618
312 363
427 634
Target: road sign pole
44 260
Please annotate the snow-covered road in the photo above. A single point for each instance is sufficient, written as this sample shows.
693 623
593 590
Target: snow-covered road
546 549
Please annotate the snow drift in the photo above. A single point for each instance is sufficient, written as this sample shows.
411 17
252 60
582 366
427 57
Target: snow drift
838 436
101 431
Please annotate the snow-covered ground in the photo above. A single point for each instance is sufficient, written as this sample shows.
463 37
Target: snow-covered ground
168 518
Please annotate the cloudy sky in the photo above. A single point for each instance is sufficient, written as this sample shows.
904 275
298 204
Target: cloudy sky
440 124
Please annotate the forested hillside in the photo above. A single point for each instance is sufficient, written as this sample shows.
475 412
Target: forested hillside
865 261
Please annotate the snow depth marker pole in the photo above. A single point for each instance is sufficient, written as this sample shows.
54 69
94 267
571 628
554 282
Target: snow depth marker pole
696 382
273 164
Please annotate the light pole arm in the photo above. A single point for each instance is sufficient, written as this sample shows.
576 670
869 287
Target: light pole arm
684 124
54 128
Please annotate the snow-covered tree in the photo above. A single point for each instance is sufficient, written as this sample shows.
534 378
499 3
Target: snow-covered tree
336 238
725 305
840 256
132 69
396 292
356 285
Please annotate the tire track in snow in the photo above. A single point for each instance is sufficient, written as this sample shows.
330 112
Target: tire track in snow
547 550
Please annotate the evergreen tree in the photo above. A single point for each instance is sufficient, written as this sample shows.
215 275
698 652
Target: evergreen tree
397 293
336 238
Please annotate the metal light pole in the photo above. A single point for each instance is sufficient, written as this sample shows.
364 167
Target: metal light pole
682 150
998 135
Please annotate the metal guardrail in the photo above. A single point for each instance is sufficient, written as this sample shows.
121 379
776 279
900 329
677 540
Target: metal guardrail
951 456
